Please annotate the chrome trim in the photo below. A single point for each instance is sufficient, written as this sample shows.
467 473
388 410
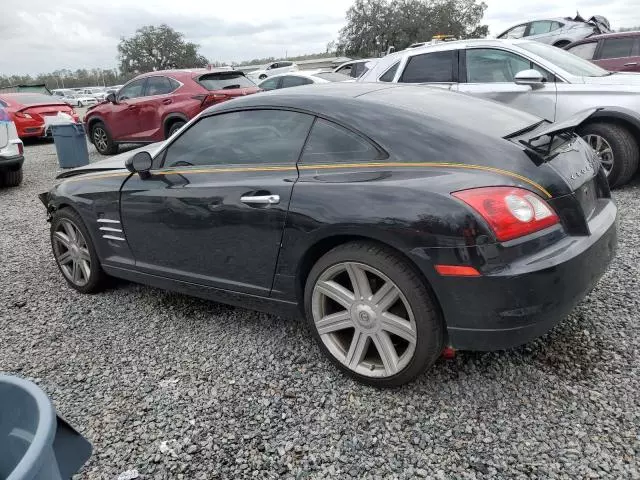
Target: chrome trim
109 229
261 199
107 220
111 237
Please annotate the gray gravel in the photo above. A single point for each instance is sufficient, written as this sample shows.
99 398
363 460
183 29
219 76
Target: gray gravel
174 387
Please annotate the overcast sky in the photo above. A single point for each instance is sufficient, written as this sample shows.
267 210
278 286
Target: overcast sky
45 35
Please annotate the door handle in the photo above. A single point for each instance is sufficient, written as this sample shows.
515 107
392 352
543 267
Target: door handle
631 64
132 107
261 200
167 101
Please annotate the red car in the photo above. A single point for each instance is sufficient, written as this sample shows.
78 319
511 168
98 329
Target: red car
28 111
154 105
617 52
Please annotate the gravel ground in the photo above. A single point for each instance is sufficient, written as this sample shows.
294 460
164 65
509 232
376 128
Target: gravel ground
175 387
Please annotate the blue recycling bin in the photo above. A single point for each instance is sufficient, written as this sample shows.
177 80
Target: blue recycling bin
71 144
36 444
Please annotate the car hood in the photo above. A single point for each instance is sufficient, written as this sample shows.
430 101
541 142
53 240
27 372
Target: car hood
619 78
112 163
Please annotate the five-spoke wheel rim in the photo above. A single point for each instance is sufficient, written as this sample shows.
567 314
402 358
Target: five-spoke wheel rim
364 320
602 149
71 252
100 138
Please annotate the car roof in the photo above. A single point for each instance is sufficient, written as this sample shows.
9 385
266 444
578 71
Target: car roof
635 33
186 72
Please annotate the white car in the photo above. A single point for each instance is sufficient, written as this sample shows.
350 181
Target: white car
74 98
11 152
558 32
296 79
539 79
98 93
355 68
271 70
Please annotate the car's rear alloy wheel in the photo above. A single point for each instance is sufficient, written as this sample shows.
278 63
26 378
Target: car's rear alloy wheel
617 149
373 315
74 252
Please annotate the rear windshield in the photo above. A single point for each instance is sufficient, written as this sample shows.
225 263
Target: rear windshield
332 77
225 81
33 98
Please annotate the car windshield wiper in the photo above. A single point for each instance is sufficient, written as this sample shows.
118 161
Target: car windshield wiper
229 87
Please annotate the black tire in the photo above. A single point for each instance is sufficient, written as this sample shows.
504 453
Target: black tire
175 126
80 104
11 178
262 77
100 132
97 280
430 330
626 153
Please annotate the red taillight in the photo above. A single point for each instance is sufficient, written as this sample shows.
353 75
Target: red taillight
211 99
510 212
22 115
20 148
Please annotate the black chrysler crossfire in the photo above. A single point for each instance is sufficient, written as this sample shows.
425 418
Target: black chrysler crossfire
398 220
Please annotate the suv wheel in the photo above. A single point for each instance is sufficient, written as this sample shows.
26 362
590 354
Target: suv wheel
262 77
102 140
616 148
11 178
175 126
372 315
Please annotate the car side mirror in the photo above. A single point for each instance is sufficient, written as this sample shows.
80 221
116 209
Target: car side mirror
110 98
140 163
533 78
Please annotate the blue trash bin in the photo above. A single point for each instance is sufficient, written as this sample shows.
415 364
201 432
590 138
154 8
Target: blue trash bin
71 144
35 444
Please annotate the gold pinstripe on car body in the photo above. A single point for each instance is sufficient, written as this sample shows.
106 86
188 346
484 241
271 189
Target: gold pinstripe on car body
328 167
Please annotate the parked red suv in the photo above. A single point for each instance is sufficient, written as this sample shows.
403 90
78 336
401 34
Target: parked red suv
618 52
154 105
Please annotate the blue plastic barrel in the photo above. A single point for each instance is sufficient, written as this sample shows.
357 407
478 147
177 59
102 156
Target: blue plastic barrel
35 444
71 144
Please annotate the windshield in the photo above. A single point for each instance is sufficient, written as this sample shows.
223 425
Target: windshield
564 60
225 81
33 98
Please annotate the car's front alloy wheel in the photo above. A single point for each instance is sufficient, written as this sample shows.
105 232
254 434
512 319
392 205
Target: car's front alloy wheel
372 314
74 253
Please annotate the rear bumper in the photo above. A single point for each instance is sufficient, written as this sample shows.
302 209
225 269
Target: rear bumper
503 310
13 162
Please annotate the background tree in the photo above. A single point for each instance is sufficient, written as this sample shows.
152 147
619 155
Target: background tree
157 48
374 25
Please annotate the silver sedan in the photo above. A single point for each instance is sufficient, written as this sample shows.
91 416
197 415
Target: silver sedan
558 32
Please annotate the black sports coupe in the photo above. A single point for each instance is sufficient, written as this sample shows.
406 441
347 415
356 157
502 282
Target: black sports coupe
399 220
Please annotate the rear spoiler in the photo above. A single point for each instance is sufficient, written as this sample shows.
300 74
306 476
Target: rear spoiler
542 152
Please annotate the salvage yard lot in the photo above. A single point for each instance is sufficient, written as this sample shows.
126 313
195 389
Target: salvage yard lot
176 387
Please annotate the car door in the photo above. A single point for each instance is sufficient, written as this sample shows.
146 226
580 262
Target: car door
438 69
586 50
489 73
619 54
542 31
152 107
212 212
123 116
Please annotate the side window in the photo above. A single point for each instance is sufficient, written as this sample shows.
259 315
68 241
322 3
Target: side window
329 142
556 26
487 65
291 81
270 84
390 74
284 64
617 47
174 84
429 67
272 66
245 137
538 28
132 90
158 86
346 70
515 32
584 50
358 69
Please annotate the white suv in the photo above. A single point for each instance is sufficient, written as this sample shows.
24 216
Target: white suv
11 152
539 79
